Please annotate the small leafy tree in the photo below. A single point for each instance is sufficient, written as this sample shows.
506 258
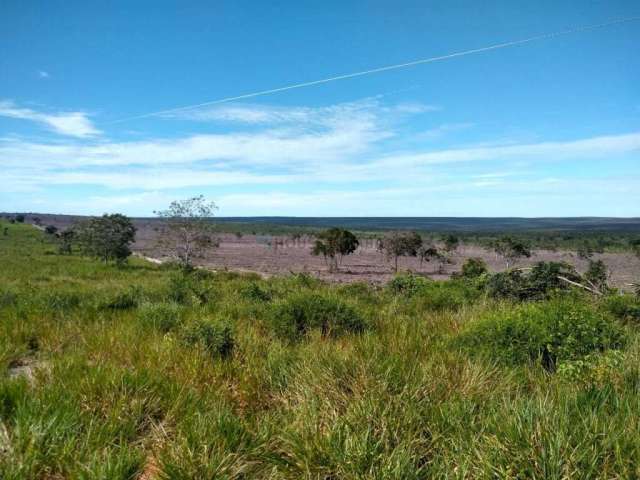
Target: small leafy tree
108 237
451 243
511 249
65 241
50 229
400 244
473 268
427 253
333 244
597 275
187 230
19 218
635 247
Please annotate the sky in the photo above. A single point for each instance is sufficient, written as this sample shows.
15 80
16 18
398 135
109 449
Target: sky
546 128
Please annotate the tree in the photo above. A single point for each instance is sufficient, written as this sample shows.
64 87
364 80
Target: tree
50 229
400 244
473 268
426 253
597 275
65 241
451 243
108 237
510 249
333 244
19 218
187 230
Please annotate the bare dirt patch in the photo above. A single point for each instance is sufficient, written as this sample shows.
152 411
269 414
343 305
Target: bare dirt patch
279 256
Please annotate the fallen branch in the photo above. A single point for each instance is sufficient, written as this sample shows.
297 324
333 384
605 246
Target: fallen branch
579 285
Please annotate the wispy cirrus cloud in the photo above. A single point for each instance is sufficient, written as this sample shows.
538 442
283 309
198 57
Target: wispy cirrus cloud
271 160
75 124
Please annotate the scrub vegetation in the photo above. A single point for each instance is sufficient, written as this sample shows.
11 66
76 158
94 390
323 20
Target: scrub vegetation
132 370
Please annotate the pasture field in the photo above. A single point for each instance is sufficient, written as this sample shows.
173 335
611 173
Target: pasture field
144 371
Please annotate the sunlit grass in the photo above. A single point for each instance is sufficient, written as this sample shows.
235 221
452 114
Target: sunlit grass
118 385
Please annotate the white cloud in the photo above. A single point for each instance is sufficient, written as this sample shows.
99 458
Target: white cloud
75 124
442 130
43 74
594 147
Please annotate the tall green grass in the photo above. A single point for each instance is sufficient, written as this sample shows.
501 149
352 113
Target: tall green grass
144 368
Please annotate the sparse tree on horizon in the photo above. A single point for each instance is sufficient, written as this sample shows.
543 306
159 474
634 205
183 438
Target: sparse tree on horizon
511 249
400 244
188 229
333 244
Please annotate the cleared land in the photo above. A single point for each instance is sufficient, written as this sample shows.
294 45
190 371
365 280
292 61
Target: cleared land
276 253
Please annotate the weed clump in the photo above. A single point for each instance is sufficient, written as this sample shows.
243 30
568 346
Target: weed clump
253 292
623 307
8 298
295 317
190 287
407 284
551 332
124 300
163 317
61 301
216 338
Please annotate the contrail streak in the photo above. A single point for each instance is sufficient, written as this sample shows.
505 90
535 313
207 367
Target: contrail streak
382 69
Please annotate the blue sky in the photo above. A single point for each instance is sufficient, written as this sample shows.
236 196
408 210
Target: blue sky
548 128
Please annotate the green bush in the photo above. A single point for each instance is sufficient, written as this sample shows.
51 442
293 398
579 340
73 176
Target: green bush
549 332
255 293
473 268
623 307
190 287
216 338
61 301
8 298
594 370
407 284
296 316
125 300
160 316
446 296
542 281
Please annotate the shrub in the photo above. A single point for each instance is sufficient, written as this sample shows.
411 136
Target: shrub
473 268
623 307
160 316
61 301
296 316
407 284
548 333
124 300
594 370
216 338
597 274
541 282
442 296
254 292
8 298
190 287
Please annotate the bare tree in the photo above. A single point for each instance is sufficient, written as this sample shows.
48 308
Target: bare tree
188 229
